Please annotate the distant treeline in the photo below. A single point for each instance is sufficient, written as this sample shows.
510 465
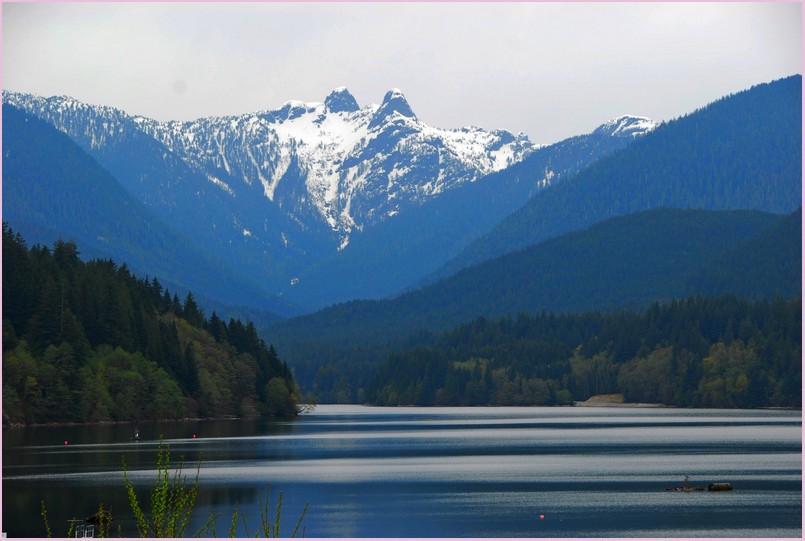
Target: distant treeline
89 342
625 263
703 352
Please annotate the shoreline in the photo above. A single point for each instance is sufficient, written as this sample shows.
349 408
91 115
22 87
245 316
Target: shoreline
587 404
615 400
143 422
592 402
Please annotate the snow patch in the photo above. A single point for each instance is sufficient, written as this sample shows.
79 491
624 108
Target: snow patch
353 176
221 184
628 126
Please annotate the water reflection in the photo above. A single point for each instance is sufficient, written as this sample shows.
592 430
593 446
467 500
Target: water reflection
413 472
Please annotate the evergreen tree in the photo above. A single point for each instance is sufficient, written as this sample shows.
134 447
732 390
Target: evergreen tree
94 343
191 312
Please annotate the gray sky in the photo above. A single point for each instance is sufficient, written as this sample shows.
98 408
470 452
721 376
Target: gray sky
550 70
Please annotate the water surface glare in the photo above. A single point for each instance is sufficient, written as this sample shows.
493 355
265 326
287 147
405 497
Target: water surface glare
436 472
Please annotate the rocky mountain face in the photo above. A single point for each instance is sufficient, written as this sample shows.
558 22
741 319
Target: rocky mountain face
335 162
277 192
396 254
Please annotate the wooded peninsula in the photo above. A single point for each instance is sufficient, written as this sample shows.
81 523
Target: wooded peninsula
90 342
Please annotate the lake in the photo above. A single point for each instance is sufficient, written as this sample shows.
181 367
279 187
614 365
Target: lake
435 472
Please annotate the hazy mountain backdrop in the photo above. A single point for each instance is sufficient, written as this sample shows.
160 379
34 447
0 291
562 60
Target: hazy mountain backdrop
401 229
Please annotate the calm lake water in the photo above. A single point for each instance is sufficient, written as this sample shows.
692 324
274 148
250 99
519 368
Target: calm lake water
436 472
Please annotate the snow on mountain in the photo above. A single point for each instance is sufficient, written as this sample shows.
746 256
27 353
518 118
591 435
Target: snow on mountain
627 126
282 191
351 166
335 162
95 124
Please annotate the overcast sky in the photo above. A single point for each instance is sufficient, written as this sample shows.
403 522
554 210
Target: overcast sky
548 70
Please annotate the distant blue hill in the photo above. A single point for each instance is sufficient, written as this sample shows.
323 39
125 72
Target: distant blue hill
384 260
626 262
54 190
743 151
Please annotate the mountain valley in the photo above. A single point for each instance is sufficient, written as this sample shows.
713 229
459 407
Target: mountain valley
304 198
352 233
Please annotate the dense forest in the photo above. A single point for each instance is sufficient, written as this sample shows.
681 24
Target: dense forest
703 352
743 151
53 189
626 262
90 342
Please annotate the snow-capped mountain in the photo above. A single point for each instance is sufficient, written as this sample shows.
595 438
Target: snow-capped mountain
350 166
346 165
381 261
283 192
626 126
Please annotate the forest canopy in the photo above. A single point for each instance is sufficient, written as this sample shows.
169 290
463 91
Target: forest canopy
90 342
699 352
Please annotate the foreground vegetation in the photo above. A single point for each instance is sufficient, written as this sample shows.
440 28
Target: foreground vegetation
171 505
89 342
702 352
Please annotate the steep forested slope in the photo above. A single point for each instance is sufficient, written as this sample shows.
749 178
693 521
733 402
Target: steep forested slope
743 151
767 265
91 342
387 258
54 190
626 262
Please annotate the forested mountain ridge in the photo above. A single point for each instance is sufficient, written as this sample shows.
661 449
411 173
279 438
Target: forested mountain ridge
701 352
89 342
743 151
625 262
280 195
388 258
597 240
53 189
747 269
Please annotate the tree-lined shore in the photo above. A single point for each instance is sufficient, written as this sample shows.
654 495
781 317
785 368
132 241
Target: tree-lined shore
699 352
90 342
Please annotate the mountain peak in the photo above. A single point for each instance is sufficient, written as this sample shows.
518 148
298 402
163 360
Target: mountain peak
393 101
393 93
627 126
340 100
